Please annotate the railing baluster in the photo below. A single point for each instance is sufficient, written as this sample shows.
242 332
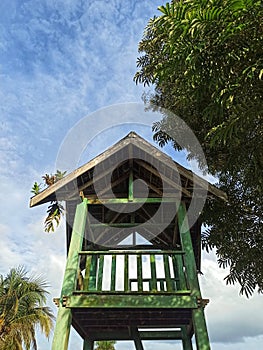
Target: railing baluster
93 272
181 273
174 275
139 272
126 273
176 272
169 282
153 284
113 273
100 272
87 273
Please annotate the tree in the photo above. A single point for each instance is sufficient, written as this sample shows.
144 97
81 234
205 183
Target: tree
105 345
22 309
204 58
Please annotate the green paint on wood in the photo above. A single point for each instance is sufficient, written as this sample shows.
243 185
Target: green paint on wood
153 282
113 273
119 300
62 329
135 200
186 340
88 345
139 273
187 246
100 272
201 335
169 282
126 272
178 267
93 272
87 273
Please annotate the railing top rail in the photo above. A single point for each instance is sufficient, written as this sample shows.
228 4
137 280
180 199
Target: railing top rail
131 252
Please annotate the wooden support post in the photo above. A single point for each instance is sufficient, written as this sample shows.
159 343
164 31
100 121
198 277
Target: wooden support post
63 323
88 344
201 335
137 339
130 194
186 340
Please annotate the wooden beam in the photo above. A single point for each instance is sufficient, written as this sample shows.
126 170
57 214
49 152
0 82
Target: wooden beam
164 178
118 300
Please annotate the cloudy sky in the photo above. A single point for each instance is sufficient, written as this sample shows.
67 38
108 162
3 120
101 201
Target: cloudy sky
64 63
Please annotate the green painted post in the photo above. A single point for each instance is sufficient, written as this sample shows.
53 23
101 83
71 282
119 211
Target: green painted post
63 322
113 273
93 273
139 273
201 335
88 345
186 340
126 272
136 338
100 272
169 282
153 284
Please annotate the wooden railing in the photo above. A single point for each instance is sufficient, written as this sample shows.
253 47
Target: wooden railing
132 271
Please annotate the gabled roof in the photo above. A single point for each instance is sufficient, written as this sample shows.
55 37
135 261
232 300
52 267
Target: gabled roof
148 161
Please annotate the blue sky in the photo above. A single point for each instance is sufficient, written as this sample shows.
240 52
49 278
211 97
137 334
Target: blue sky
62 61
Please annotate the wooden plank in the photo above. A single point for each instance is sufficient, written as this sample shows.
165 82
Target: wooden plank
118 300
130 252
124 200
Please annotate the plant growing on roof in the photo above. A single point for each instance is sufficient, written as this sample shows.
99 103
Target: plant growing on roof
55 210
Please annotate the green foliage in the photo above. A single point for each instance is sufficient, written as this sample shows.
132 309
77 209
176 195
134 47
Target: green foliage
22 309
36 188
105 345
55 210
204 58
54 213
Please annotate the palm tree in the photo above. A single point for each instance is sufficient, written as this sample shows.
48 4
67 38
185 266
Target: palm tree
105 345
22 309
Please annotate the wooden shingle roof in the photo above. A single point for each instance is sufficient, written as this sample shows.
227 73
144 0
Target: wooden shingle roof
148 163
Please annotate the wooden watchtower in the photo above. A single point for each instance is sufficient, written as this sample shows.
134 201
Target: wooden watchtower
131 271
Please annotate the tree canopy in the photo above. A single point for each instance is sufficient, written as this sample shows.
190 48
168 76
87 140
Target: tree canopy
205 61
22 309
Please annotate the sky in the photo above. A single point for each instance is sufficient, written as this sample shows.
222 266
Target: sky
66 85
